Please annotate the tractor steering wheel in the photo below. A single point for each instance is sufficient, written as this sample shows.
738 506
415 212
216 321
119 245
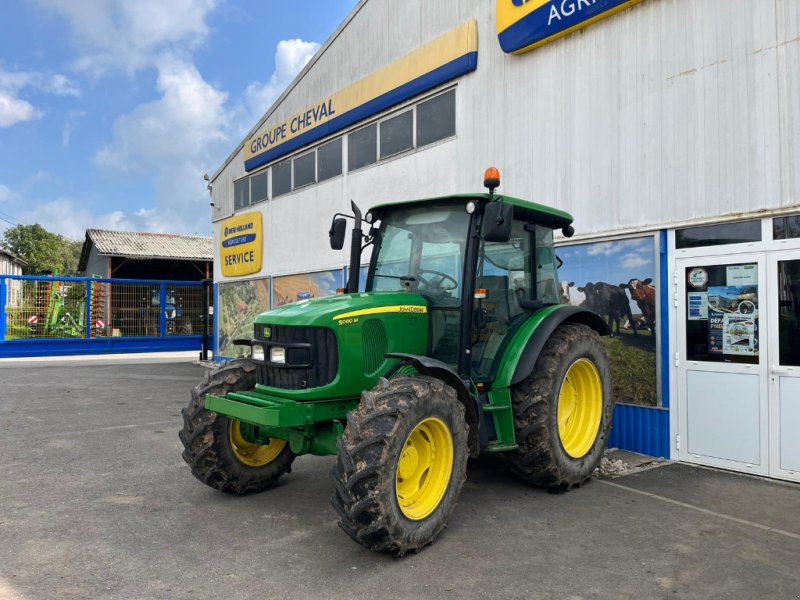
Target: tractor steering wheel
435 283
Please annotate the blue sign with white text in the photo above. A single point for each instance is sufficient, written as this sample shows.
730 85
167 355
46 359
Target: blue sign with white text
523 25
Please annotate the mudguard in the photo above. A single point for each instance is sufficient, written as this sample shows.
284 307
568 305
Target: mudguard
436 368
526 345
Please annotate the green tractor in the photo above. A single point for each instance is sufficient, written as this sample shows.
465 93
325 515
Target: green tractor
459 346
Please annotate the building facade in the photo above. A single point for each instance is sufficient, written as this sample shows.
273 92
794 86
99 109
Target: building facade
670 129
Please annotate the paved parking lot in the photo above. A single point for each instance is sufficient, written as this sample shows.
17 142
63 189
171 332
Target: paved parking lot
96 502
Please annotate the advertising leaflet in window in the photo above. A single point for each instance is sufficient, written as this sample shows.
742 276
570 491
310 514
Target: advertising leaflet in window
733 320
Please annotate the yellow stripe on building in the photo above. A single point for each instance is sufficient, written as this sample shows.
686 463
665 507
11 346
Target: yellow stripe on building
440 51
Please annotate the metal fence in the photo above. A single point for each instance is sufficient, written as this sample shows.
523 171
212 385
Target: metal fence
69 315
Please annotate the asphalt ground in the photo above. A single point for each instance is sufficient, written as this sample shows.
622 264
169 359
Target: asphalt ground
96 502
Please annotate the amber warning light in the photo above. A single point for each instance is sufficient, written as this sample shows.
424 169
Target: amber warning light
491 178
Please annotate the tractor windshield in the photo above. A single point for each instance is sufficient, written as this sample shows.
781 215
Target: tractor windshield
421 249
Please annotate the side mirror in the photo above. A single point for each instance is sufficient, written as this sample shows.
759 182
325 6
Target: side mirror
568 231
336 233
497 219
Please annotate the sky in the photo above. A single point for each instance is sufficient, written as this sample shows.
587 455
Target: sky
111 111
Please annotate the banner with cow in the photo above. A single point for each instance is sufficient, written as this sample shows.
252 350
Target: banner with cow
617 279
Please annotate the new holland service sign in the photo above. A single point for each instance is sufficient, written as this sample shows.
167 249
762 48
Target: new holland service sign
523 25
241 243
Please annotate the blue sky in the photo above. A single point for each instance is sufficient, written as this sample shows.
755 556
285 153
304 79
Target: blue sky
112 110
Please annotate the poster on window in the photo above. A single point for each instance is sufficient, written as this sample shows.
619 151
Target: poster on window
733 320
617 280
296 288
240 302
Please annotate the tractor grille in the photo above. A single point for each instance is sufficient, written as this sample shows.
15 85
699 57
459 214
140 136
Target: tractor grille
374 340
324 357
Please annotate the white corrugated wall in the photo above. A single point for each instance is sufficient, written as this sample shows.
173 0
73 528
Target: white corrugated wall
671 111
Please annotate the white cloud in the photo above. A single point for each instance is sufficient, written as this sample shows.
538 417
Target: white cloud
616 247
182 125
71 219
188 131
15 110
290 58
6 193
120 35
633 261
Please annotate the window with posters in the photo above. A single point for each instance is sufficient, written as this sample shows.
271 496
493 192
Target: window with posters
617 279
722 321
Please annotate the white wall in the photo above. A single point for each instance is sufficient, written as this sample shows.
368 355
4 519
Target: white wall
671 111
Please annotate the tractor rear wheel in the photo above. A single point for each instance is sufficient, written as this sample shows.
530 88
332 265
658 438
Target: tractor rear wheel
215 446
563 410
401 464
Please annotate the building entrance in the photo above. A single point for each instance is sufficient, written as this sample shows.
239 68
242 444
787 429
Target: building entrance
738 358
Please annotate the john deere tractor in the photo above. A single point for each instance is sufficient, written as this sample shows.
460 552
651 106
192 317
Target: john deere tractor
458 347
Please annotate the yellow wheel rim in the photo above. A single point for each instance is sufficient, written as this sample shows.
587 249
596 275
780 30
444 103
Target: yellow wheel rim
424 468
580 408
250 453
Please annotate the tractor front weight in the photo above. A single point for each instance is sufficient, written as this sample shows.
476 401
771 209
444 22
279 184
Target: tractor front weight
308 427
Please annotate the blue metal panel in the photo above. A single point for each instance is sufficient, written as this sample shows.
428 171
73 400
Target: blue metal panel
88 311
641 429
663 317
110 345
101 280
162 314
3 299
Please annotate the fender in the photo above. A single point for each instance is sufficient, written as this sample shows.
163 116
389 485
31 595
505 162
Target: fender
436 368
527 343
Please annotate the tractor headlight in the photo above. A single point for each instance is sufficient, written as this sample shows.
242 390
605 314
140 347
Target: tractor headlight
277 355
257 353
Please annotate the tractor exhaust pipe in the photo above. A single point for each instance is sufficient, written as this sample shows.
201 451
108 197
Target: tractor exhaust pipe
355 252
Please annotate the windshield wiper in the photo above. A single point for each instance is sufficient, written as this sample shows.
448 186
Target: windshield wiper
400 277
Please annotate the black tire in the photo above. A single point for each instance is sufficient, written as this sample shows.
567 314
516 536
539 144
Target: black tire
366 469
206 436
540 457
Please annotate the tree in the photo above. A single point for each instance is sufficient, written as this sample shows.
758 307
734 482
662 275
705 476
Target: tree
43 250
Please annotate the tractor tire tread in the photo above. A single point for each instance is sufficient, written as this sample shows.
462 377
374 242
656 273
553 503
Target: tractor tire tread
363 466
205 436
538 458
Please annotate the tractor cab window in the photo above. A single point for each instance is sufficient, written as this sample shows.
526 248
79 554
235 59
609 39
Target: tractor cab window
421 249
506 272
546 267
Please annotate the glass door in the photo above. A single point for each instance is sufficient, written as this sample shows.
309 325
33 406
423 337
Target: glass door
722 367
784 369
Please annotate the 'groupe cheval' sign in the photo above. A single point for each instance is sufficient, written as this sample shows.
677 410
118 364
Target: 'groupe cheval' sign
523 25
439 61
241 244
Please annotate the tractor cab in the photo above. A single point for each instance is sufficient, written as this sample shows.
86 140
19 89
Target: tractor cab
483 263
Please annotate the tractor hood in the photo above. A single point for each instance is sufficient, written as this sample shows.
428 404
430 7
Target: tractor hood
343 308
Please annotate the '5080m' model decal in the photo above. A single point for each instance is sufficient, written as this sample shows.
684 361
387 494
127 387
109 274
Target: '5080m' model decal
349 317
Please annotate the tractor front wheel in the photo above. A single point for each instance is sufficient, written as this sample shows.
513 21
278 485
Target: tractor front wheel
401 464
563 410
216 448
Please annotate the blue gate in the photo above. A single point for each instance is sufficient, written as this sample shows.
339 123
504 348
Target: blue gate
51 316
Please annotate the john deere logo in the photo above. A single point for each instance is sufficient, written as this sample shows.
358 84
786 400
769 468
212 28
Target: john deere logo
267 332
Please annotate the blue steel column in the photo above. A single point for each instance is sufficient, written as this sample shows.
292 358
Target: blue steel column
2 308
162 315
88 324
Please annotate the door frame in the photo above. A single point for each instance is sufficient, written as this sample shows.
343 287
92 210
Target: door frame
776 371
714 256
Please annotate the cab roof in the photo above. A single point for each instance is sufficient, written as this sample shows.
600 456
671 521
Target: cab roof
544 215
